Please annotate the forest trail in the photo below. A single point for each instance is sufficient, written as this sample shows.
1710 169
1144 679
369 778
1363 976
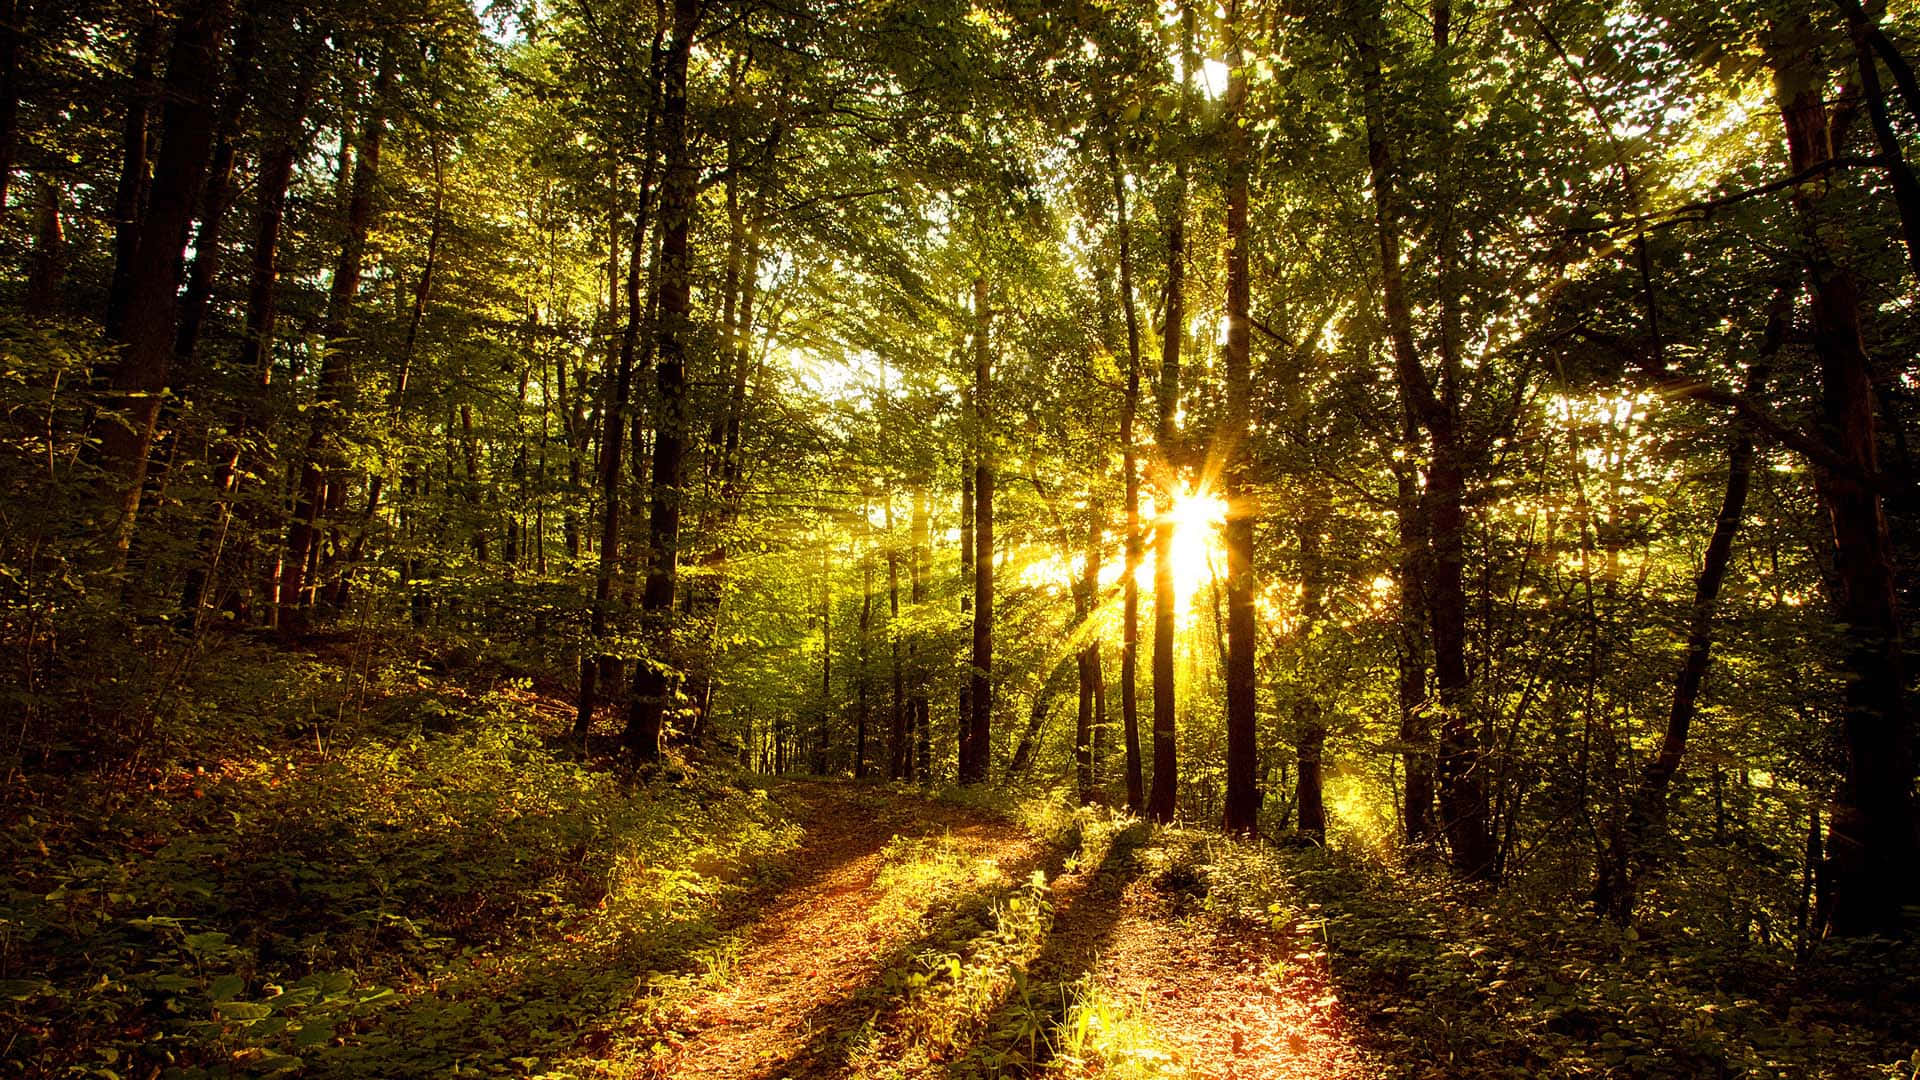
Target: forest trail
817 989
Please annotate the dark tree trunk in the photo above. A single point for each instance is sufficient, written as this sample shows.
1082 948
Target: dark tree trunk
49 249
138 380
965 733
1160 800
898 748
1242 807
1650 805
130 194
919 708
1088 661
1463 799
1130 466
323 478
1028 747
1309 721
1906 189
1868 874
254 358
13 17
207 253
616 391
1416 726
977 747
652 686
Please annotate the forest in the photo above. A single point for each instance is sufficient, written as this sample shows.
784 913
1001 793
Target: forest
959 538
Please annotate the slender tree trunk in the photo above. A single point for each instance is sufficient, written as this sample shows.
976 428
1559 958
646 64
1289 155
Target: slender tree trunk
207 255
138 380
862 683
1309 721
254 357
1651 803
49 249
898 748
823 732
1089 659
1416 726
13 19
130 194
1869 869
323 478
1906 189
1462 782
1028 746
1242 808
919 708
1160 801
652 686
965 732
616 393
979 743
1130 467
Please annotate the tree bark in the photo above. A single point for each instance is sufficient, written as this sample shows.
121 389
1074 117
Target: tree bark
977 747
1130 468
618 389
652 685
138 381
207 255
1462 783
13 17
1088 661
323 478
130 194
1870 841
1242 805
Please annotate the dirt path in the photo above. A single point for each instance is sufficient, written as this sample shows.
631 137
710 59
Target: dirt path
813 971
828 933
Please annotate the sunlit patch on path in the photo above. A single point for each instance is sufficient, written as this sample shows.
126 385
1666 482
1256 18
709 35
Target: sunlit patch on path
823 939
1193 1000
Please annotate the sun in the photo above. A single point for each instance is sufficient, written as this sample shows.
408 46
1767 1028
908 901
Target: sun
1196 517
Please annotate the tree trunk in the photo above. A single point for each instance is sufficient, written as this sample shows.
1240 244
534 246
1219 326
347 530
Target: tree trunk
1160 801
1089 658
49 249
1309 721
1650 806
323 472
965 732
219 194
13 17
652 686
919 708
130 194
1242 806
1130 467
138 380
1462 782
1870 841
977 747
617 390
254 357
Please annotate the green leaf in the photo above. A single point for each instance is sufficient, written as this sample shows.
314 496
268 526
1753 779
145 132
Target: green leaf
226 987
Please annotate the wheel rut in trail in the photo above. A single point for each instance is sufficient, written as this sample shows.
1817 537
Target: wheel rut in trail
826 935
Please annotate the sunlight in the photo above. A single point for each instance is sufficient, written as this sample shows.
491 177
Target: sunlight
1197 517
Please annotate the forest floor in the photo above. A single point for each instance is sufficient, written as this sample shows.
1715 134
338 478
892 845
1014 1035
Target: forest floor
353 863
1116 979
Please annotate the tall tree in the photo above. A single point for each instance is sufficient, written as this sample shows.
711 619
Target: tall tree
653 685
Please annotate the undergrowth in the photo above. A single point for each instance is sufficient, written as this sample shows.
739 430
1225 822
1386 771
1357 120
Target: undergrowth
353 871
1438 979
